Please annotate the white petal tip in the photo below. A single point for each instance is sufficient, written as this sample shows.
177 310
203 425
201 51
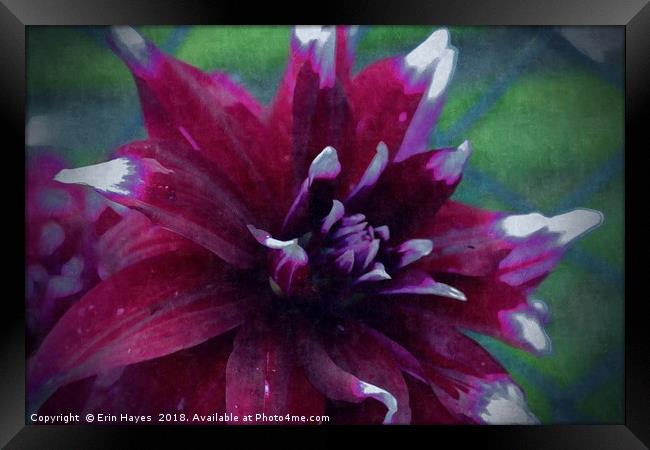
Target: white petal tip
569 226
325 165
382 395
434 60
529 331
130 44
108 177
448 165
318 43
505 404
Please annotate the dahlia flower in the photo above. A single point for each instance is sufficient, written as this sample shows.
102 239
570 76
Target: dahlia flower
303 258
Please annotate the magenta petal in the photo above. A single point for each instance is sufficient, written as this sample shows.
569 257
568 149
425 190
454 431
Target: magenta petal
288 264
210 113
520 249
418 282
338 384
175 188
150 309
314 192
358 351
468 381
407 362
257 375
398 100
134 239
411 192
190 381
311 111
370 177
493 308
262 376
426 408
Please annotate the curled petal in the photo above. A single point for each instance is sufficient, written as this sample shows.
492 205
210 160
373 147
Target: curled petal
338 384
289 263
383 232
357 350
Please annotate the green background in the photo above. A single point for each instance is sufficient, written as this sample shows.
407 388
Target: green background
545 120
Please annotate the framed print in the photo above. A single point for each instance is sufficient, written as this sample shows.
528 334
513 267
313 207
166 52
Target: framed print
412 223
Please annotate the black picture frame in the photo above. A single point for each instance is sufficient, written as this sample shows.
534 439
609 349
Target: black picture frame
15 15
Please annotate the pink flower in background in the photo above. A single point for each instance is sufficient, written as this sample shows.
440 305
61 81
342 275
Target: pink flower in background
302 258
62 223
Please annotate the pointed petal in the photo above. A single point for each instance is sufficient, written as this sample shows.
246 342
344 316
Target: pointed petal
412 191
398 100
447 165
310 110
185 299
520 249
210 113
176 188
314 193
418 282
493 308
432 64
371 175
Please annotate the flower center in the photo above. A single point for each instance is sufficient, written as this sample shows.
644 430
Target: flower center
351 247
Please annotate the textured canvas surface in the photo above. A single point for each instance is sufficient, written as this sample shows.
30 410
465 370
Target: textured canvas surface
543 108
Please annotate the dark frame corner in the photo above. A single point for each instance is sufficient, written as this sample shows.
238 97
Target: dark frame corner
634 15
